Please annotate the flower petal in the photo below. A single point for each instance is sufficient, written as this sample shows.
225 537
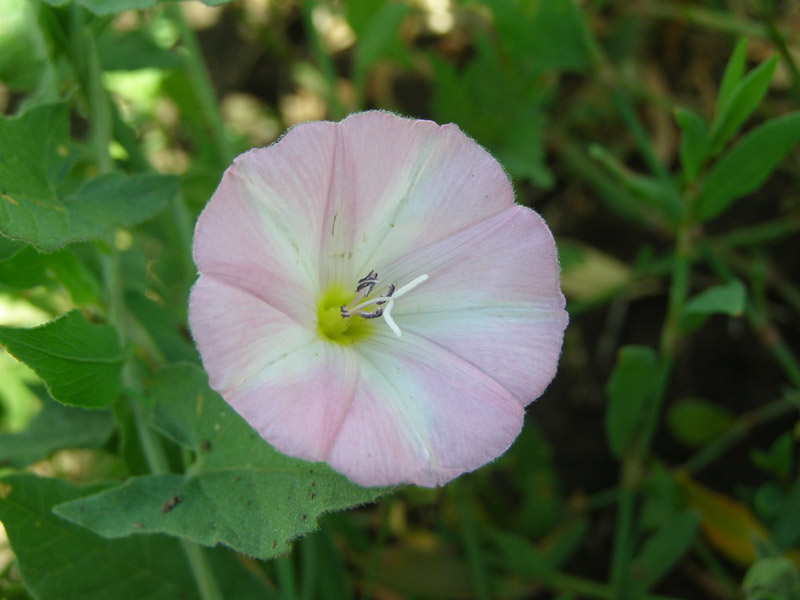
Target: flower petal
261 230
492 297
298 405
421 415
238 335
399 185
289 385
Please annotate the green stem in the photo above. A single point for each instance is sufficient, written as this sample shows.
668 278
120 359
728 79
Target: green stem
586 588
740 429
202 87
697 15
325 63
86 62
151 445
475 561
762 233
623 535
376 551
284 570
678 291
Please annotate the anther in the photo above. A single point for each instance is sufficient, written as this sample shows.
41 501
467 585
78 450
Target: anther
384 303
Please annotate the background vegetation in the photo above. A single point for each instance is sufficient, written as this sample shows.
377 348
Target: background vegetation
657 138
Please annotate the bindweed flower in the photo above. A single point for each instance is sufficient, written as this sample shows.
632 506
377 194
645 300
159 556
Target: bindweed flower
371 296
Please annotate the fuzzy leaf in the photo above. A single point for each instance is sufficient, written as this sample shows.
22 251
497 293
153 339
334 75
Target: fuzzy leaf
62 561
80 363
240 491
38 206
55 427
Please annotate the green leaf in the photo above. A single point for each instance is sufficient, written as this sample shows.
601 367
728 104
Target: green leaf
778 459
108 7
694 142
727 299
132 50
376 25
80 363
28 268
470 97
773 578
663 549
543 34
632 389
747 165
36 204
240 491
654 192
694 422
786 524
744 99
55 427
734 71
23 50
62 561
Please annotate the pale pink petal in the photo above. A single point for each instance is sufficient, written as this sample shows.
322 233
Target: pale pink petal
261 230
400 184
492 297
239 335
421 415
298 405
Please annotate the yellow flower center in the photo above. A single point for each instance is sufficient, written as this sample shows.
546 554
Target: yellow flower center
332 325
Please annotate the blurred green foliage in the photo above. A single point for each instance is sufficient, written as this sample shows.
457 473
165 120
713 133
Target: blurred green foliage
658 138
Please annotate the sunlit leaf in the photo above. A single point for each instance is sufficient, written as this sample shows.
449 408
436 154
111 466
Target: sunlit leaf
55 427
79 362
38 207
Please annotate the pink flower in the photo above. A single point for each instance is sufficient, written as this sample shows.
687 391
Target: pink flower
371 296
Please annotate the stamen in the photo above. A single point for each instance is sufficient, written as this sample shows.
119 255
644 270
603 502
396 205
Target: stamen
384 303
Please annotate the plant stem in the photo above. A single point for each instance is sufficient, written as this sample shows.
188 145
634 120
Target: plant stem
586 588
324 62
477 565
285 572
760 234
697 15
743 426
202 86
